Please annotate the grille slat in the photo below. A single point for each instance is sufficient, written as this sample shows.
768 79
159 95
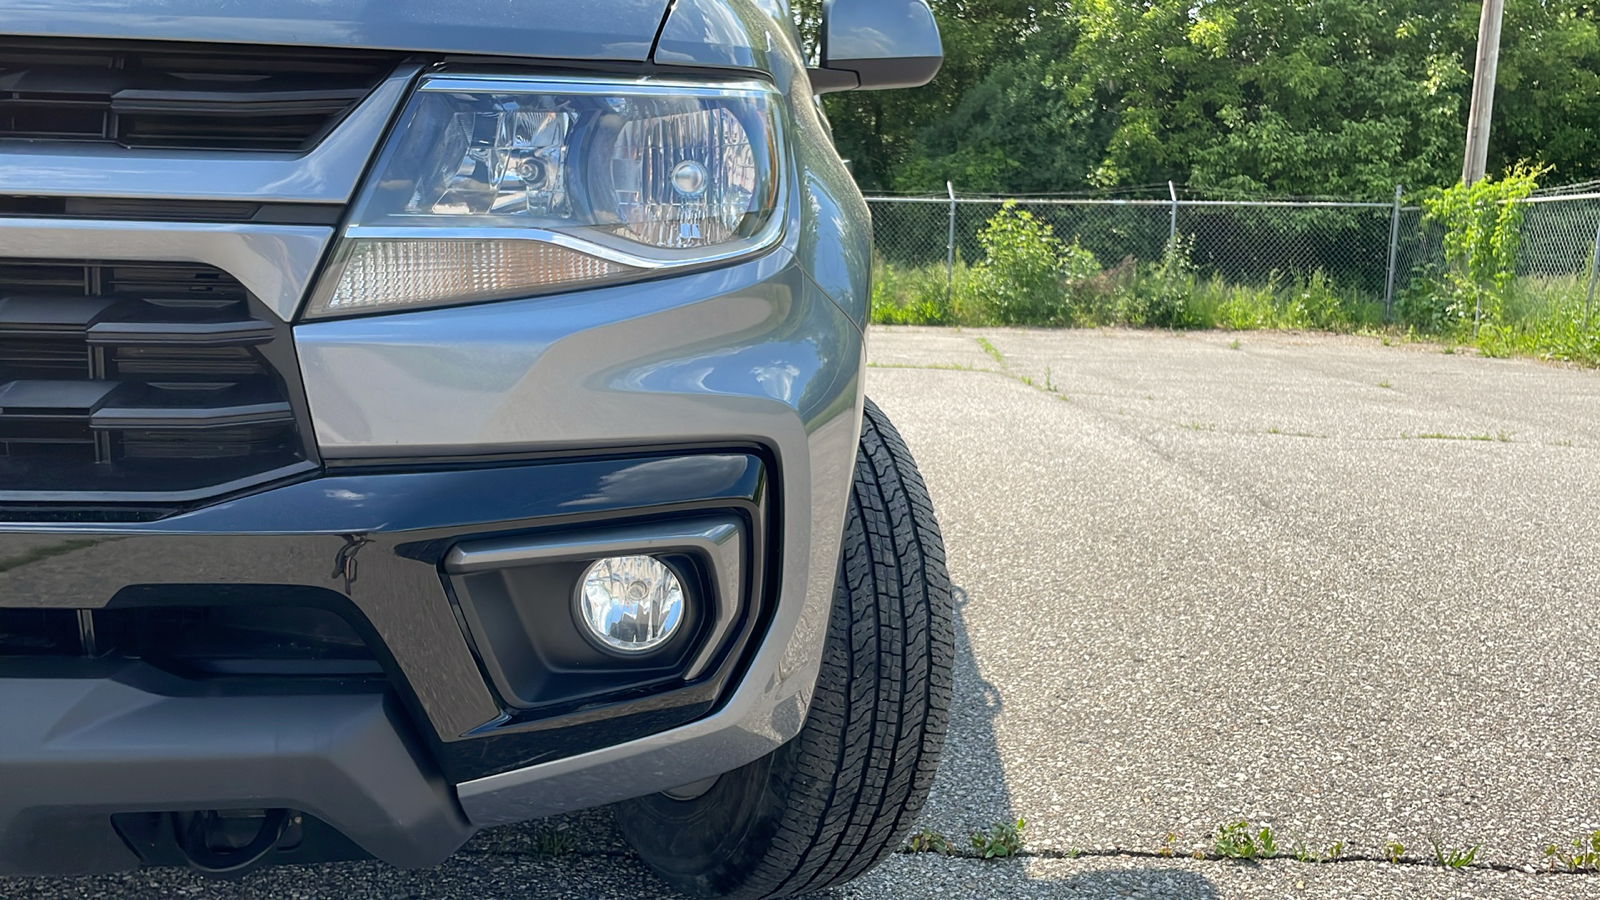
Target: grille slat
150 97
133 377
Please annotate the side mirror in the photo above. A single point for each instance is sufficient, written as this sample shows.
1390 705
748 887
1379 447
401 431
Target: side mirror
874 45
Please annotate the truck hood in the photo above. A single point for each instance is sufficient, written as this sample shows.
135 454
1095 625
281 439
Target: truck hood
553 29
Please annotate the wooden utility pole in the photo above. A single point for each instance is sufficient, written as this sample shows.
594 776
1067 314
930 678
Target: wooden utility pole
1482 113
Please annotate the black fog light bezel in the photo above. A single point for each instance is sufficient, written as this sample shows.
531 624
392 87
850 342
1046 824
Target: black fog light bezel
517 597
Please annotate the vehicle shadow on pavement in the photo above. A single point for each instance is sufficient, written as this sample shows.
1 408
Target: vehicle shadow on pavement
971 794
924 877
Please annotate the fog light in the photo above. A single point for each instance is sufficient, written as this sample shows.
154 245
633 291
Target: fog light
630 604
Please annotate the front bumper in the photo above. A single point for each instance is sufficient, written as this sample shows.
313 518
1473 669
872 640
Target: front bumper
77 751
732 388
719 418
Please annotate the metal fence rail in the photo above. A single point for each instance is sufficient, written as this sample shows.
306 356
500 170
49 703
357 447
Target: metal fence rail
1378 249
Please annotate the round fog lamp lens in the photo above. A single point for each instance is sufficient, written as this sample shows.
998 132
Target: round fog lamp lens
631 604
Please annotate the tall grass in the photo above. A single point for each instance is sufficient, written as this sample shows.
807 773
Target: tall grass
1540 317
1162 295
1546 317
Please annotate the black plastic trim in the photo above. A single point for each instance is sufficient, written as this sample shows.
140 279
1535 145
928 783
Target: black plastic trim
370 546
112 209
112 321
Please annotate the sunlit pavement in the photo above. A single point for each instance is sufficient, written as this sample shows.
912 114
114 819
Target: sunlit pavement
1337 589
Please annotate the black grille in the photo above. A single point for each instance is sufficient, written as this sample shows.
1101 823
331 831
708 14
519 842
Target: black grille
139 378
228 98
198 641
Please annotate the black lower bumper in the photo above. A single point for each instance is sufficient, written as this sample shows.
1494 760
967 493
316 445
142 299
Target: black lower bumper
76 751
92 735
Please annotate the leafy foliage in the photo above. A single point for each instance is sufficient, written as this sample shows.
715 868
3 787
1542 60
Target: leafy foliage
1583 855
926 840
1001 841
1239 840
1305 97
1454 857
1027 271
1483 228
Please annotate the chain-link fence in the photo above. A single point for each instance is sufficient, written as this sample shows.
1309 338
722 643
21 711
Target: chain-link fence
1377 249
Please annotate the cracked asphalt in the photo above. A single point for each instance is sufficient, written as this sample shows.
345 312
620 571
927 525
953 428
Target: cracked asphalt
1340 589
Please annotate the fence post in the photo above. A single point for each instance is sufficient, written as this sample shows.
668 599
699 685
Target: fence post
1394 256
1594 269
1172 232
950 245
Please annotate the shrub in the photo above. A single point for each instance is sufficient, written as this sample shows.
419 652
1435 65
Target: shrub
1482 230
1027 273
1164 296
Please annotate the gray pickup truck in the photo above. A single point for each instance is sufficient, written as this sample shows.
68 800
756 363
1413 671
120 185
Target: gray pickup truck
424 415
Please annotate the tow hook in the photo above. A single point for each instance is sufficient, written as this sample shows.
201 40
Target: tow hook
194 835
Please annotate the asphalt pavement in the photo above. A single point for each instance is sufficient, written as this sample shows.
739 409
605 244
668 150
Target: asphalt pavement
1337 589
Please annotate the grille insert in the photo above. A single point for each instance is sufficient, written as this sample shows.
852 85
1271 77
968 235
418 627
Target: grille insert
144 378
198 642
158 97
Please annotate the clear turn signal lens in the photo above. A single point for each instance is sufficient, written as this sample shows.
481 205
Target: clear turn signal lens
416 272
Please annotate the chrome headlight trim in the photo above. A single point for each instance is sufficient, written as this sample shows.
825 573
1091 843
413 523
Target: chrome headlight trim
593 237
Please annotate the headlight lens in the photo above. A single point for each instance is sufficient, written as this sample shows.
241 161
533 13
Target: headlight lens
506 187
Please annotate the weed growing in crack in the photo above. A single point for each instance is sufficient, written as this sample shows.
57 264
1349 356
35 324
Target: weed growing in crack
1233 344
1242 841
1305 854
1001 841
1453 858
1385 384
552 843
1583 857
1166 845
926 840
1499 437
991 349
1394 851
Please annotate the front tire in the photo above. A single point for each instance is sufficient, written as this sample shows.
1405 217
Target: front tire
827 806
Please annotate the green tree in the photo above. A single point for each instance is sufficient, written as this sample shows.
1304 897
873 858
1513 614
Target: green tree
1309 97
877 130
1548 96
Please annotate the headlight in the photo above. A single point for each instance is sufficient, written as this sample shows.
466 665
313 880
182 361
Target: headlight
493 188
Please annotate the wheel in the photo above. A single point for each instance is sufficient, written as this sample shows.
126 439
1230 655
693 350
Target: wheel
828 805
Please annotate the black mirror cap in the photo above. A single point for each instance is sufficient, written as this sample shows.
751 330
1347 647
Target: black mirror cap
877 45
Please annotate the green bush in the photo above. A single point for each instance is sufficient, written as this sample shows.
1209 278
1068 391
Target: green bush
1028 275
1482 231
1165 297
909 296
